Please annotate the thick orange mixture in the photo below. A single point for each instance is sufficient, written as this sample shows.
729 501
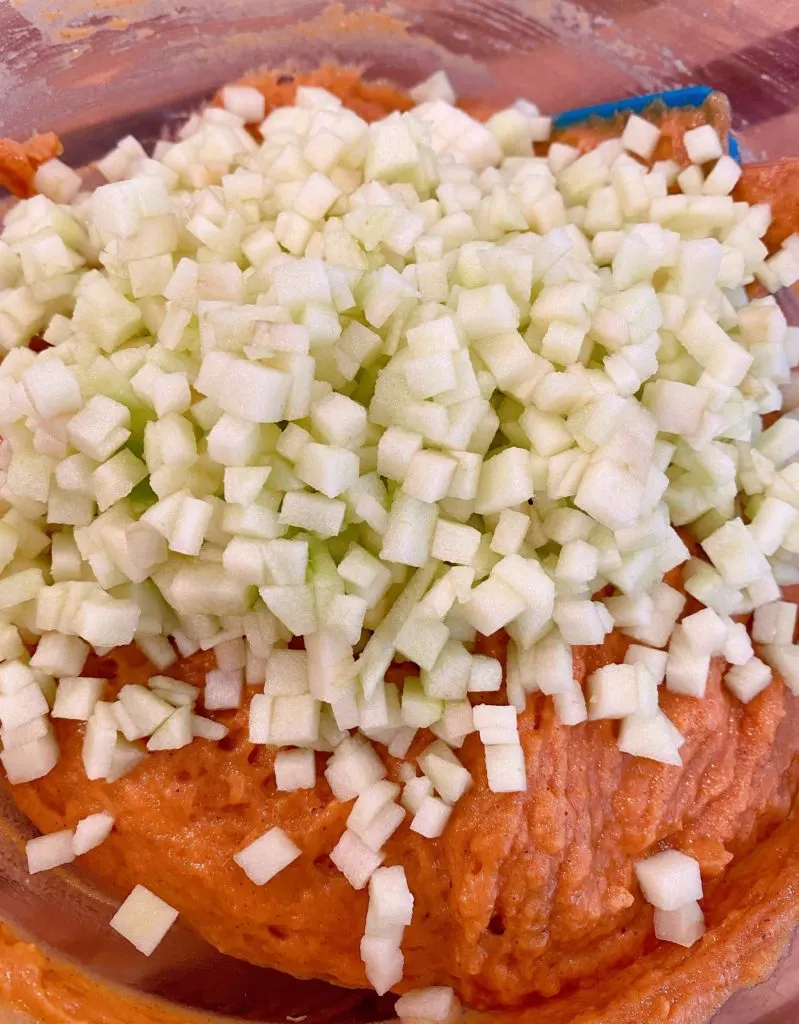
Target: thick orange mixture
524 894
19 161
527 900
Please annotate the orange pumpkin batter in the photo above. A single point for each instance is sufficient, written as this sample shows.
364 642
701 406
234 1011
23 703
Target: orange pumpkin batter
528 900
524 895
19 161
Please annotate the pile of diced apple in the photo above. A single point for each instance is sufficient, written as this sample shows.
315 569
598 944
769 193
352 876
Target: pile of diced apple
386 387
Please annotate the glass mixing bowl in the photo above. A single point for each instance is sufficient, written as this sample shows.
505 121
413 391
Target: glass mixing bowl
94 70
